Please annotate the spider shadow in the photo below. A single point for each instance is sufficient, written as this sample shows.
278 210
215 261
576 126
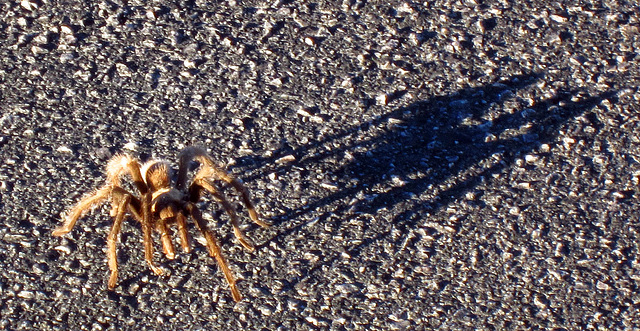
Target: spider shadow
425 156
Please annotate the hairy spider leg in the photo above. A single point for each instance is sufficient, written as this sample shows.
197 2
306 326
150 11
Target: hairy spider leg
147 228
214 249
210 169
124 164
81 207
181 219
117 166
198 185
120 211
166 215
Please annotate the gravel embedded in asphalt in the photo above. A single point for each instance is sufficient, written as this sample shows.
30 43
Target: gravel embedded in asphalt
446 164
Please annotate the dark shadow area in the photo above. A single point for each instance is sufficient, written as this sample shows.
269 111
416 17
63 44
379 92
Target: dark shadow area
446 145
441 138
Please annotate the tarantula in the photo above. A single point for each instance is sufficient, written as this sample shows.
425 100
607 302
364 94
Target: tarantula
159 205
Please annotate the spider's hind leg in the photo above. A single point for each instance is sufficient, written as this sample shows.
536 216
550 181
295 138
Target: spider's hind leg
244 193
201 183
209 168
214 249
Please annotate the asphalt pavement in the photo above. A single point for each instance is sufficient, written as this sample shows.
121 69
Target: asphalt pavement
445 165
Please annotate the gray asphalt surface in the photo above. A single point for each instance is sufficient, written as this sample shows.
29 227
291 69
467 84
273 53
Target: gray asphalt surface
438 165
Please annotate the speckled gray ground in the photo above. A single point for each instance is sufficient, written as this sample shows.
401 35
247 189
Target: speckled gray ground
446 164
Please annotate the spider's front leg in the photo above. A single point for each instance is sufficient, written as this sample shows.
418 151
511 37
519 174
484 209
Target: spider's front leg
147 228
166 215
81 207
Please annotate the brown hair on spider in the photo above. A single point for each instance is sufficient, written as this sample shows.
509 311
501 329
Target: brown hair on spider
159 205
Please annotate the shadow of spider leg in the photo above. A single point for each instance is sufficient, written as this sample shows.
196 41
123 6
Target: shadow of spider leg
211 170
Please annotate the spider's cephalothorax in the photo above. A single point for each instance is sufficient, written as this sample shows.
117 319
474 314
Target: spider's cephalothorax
159 205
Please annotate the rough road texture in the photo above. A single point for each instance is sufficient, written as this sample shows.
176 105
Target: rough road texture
446 164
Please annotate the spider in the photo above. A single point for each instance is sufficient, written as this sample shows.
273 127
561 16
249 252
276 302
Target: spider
160 205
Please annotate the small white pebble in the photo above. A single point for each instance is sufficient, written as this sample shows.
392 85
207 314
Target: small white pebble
63 248
405 8
382 99
286 159
558 18
309 41
603 286
524 185
618 195
266 310
189 64
227 42
66 29
568 142
131 146
312 320
29 5
123 70
531 158
329 186
64 149
26 294
545 148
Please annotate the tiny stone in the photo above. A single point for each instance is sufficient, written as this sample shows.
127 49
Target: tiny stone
558 18
286 159
329 186
63 248
26 294
123 70
266 310
28 5
189 64
618 195
131 146
382 99
66 29
309 41
545 148
531 158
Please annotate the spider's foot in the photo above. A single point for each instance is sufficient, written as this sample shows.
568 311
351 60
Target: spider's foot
60 232
243 240
253 214
246 244
113 279
157 270
235 293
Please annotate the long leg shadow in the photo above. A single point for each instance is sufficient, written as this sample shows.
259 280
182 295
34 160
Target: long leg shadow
436 150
